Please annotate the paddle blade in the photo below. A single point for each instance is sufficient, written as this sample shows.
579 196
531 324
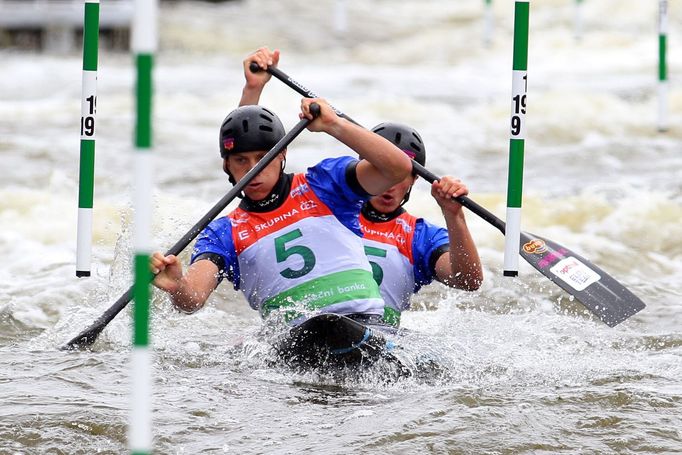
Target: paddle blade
600 293
85 339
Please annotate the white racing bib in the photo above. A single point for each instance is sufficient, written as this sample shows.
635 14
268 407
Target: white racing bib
299 255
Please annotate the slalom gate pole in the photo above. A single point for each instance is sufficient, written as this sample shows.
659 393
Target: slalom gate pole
86 178
340 17
578 20
662 65
512 235
144 44
488 23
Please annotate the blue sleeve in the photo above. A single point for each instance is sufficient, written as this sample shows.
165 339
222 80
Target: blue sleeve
329 180
427 239
216 239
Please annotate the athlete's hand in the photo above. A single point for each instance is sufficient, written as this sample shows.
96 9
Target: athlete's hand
447 188
326 121
168 271
263 57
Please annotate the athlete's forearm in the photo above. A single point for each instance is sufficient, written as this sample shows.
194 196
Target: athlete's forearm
187 299
250 95
194 288
463 268
388 159
385 164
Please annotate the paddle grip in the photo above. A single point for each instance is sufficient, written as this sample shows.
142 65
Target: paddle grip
254 67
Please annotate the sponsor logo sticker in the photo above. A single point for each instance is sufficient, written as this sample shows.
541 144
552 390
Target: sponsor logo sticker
406 227
240 218
300 190
535 246
575 273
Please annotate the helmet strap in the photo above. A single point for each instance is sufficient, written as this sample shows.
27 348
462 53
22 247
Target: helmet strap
407 194
406 197
231 178
227 171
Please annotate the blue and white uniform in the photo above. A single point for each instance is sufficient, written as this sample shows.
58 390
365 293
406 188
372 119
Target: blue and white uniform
403 251
299 250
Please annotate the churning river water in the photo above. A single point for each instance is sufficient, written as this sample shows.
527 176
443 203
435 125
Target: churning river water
528 370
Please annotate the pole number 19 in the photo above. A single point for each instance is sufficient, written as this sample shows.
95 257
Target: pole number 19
88 122
519 108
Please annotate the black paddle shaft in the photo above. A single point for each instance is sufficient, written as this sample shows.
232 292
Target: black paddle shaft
88 336
605 297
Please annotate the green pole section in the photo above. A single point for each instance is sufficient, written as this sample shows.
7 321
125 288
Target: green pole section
512 236
662 65
141 294
143 126
144 45
86 174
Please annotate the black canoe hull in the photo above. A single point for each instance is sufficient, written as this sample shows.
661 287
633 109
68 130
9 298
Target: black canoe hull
332 342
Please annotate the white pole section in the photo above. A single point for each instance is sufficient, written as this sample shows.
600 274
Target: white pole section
488 23
578 20
340 17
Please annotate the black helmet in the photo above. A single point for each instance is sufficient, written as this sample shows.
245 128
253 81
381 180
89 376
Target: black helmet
405 138
249 129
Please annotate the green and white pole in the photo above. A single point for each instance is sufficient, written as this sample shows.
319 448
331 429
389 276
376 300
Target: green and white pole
578 20
144 43
662 65
340 17
488 23
86 178
512 237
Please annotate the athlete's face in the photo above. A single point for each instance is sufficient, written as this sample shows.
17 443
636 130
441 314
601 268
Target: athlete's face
260 186
390 199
